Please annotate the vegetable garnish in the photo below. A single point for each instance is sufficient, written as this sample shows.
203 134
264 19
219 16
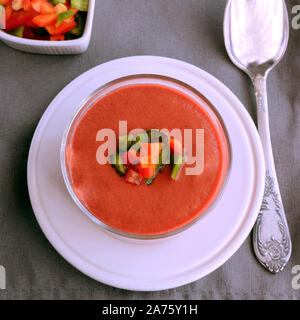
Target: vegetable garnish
64 16
81 5
17 32
143 156
58 19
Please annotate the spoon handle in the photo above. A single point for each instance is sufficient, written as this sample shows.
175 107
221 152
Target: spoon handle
271 237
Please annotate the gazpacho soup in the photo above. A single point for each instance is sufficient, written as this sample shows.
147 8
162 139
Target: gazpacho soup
145 156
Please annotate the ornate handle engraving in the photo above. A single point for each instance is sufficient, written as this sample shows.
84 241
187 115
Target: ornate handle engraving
273 251
271 237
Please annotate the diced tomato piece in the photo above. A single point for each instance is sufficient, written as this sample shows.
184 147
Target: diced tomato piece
26 5
57 37
64 27
18 19
133 177
4 2
60 7
43 20
46 8
8 11
175 146
36 4
130 157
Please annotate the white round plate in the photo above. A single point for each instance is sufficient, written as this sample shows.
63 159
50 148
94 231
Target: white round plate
153 264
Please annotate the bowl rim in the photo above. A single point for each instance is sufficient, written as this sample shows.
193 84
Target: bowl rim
221 182
47 43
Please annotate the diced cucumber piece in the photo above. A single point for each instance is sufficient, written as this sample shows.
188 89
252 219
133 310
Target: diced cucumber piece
64 16
17 32
157 136
81 5
177 166
55 2
164 157
125 142
149 181
78 30
135 147
142 137
116 162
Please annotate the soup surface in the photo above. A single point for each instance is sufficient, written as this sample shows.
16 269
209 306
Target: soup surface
165 205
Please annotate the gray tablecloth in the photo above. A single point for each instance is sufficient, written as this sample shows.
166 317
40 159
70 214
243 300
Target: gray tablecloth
190 30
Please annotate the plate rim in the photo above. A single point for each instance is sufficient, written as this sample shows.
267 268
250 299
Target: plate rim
242 232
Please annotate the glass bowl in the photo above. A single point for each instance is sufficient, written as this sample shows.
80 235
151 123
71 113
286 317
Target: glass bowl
134 80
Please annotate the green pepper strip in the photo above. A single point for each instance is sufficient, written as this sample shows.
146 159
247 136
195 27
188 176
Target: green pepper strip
64 16
55 2
78 30
17 32
177 166
115 161
157 136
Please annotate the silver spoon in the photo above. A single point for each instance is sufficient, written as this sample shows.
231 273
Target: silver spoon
256 35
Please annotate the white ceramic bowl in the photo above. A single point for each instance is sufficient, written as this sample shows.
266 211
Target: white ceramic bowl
75 46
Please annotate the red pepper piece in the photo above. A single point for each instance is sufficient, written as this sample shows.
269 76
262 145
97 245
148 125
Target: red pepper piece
151 149
26 5
4 2
43 20
8 10
146 168
46 8
64 27
19 19
36 4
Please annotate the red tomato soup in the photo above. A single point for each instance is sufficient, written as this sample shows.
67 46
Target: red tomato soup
165 205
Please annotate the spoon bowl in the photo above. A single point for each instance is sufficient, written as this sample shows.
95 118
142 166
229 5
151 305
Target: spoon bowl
259 53
256 34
